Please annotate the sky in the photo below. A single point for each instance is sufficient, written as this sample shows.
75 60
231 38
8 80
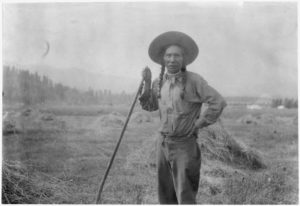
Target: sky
245 49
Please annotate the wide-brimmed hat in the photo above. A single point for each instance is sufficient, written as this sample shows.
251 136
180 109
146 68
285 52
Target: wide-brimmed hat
160 44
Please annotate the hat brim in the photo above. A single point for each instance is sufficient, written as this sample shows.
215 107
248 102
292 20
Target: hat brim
160 44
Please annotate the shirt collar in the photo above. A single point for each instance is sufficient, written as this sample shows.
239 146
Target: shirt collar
174 77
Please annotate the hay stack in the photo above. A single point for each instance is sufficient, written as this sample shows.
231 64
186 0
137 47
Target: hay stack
18 187
31 120
9 123
287 120
216 143
22 186
9 127
267 119
248 119
141 117
48 121
260 119
111 120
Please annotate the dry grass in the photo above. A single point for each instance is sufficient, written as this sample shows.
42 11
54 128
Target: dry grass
144 156
66 165
31 120
269 187
235 113
70 110
111 120
141 117
20 186
217 143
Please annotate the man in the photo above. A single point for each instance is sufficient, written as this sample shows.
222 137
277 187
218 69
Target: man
179 95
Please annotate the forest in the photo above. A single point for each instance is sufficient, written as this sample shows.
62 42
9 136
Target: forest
22 86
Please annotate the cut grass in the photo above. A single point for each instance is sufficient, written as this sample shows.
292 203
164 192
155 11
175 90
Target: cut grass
93 110
70 163
20 186
217 143
263 188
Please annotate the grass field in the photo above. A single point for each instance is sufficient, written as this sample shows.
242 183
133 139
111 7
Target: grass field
66 164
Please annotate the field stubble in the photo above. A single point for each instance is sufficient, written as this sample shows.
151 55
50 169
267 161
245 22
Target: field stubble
66 166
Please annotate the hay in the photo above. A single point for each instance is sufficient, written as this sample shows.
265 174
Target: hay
141 117
9 124
144 156
47 117
267 119
21 186
248 119
112 120
216 143
295 121
287 120
31 120
17 185
116 114
264 119
9 127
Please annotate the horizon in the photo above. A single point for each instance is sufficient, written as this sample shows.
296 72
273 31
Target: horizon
263 96
247 49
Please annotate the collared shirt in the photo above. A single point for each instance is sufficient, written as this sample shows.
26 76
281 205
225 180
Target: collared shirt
180 103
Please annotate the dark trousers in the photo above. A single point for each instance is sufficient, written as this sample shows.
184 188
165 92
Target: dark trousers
178 167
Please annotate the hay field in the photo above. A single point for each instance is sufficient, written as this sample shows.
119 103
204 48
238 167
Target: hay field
58 155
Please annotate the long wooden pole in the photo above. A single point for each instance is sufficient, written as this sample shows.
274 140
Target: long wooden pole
98 199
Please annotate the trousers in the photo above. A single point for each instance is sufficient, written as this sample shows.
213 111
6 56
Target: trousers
178 165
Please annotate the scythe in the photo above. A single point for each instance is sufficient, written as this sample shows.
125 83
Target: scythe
98 198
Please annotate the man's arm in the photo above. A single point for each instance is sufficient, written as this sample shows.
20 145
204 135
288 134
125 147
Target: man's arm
215 101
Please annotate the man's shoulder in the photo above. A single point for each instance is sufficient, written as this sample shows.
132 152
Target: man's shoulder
195 77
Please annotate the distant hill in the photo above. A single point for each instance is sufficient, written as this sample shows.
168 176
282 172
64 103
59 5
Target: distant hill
84 79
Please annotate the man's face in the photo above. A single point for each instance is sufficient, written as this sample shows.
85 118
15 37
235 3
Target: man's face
173 59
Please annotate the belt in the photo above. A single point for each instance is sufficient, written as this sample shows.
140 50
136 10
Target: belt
176 139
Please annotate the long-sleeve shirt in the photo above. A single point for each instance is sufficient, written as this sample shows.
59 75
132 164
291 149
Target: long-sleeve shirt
180 114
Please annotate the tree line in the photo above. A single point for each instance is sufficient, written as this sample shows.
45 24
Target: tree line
22 86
